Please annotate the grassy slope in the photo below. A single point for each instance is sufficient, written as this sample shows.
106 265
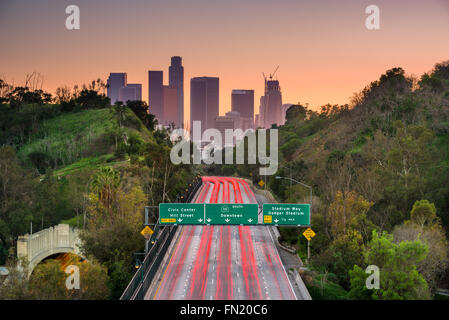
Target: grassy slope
79 139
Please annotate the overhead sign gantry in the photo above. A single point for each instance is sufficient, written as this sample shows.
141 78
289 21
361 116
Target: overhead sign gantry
233 214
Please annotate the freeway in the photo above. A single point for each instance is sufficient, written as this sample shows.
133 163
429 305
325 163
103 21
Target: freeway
222 262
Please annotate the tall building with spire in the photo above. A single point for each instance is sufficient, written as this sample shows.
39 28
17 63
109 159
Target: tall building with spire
176 80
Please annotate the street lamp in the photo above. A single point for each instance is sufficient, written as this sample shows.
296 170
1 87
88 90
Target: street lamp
290 168
303 184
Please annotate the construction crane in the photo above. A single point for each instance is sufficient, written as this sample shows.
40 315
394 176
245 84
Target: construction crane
271 77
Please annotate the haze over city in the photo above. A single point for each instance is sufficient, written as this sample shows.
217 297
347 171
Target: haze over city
323 48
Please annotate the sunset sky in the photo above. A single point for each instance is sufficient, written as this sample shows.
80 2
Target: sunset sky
323 49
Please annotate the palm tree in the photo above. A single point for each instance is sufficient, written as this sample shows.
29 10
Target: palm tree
106 183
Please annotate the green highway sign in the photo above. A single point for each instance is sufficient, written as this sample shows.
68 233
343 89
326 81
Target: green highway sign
231 213
181 213
286 214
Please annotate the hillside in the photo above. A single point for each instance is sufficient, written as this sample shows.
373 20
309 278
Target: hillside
379 169
81 139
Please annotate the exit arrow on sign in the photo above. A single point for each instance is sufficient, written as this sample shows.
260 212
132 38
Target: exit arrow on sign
231 213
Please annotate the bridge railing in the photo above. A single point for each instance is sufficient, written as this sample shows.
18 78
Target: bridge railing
37 246
143 277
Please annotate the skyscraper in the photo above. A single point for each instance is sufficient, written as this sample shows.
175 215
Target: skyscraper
131 92
127 93
138 88
115 82
204 93
242 101
272 103
156 94
170 106
176 80
262 110
221 124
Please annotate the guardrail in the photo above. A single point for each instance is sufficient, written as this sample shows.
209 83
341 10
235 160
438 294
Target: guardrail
141 280
305 295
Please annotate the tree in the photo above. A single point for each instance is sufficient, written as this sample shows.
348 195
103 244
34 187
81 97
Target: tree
16 196
399 277
15 287
425 226
119 109
48 280
341 255
423 213
348 212
63 94
93 280
113 239
105 184
112 234
140 108
91 99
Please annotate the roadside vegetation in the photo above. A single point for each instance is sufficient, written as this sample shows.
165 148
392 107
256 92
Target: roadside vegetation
379 168
73 158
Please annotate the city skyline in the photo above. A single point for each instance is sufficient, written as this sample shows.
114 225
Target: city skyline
324 51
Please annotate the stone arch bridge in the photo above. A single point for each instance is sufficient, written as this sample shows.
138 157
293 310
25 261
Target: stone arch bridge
38 246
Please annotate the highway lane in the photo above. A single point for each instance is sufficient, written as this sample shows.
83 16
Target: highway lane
223 262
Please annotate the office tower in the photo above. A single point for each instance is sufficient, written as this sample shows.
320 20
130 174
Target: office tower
262 109
115 82
155 94
272 104
176 80
127 93
204 93
170 106
131 92
231 120
235 115
138 89
257 121
221 124
243 102
246 123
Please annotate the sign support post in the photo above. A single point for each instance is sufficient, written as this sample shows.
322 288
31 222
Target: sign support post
147 240
308 234
308 252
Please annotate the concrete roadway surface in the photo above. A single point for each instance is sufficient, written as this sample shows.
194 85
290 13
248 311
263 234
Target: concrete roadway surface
222 262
